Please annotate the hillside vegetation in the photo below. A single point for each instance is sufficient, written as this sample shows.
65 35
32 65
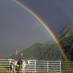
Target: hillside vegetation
42 52
67 41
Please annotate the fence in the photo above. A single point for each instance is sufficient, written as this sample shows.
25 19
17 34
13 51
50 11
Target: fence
34 66
4 65
43 66
40 66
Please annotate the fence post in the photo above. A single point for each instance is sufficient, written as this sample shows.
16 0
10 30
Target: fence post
60 66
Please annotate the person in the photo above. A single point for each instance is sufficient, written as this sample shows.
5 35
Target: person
12 66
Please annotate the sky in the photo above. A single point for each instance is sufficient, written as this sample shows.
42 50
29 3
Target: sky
58 13
16 30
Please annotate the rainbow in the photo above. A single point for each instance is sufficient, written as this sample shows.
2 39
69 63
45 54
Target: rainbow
45 26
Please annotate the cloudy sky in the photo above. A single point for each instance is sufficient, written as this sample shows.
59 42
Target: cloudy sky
16 30
57 13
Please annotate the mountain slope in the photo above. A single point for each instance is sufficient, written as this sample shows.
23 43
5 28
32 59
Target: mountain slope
42 52
68 31
67 41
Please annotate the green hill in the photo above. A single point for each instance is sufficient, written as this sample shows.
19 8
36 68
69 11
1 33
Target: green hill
42 52
67 41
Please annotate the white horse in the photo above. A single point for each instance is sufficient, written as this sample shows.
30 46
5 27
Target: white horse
23 66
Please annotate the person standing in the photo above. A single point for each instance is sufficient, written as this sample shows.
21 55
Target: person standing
13 66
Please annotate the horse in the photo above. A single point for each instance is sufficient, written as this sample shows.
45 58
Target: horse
21 65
